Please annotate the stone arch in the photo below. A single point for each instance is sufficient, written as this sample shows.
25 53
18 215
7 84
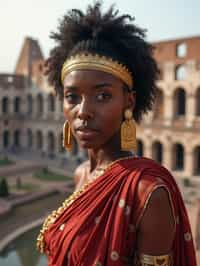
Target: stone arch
51 142
178 157
159 104
17 104
157 151
5 105
51 102
40 104
197 98
29 138
179 102
39 140
6 138
180 72
196 156
140 148
29 104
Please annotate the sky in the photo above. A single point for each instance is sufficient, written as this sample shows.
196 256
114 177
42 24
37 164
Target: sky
164 20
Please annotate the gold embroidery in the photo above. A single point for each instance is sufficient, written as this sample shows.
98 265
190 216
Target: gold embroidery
97 220
148 260
114 255
127 210
62 227
121 203
187 236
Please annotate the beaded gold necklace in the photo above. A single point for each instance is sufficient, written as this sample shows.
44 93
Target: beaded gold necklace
53 216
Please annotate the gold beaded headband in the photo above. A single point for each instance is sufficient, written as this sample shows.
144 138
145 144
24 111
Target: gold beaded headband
97 62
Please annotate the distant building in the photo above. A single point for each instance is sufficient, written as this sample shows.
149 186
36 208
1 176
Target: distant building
31 118
171 133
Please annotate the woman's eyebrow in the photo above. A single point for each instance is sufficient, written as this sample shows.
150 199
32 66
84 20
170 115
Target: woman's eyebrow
101 85
69 87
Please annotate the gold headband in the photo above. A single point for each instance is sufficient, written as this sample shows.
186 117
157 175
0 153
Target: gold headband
97 62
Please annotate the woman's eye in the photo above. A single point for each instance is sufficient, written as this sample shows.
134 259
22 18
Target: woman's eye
103 96
71 97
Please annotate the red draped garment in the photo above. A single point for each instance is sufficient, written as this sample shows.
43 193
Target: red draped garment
99 227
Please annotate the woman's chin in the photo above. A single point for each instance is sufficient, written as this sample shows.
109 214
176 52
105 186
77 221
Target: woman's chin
87 145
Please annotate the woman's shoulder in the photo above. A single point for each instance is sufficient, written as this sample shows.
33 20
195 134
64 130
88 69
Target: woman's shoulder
148 169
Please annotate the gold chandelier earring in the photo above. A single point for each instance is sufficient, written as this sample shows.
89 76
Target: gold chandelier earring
67 136
128 132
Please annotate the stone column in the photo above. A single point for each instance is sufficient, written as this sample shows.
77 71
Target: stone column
167 155
168 71
57 109
45 110
147 145
190 109
188 163
168 109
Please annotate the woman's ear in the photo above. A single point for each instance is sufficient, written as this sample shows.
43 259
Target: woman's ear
130 100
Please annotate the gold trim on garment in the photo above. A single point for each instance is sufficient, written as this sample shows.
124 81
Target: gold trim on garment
54 215
149 260
97 62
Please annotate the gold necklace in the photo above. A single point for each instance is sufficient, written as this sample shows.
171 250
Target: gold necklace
54 215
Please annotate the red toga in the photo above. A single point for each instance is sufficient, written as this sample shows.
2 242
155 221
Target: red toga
99 227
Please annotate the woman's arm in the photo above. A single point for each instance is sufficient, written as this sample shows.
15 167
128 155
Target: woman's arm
156 231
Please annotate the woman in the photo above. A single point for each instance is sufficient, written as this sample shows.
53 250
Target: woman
126 210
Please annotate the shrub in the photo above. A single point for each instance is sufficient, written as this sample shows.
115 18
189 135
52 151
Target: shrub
186 182
3 188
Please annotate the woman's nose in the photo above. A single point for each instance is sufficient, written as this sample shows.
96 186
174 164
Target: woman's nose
85 111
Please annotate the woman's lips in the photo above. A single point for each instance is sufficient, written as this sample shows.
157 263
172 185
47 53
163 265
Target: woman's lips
86 133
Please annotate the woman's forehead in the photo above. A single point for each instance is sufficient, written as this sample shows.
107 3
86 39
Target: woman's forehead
90 77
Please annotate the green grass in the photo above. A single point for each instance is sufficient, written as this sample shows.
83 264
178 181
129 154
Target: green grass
25 187
46 175
5 161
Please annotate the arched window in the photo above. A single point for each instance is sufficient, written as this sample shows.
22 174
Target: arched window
181 50
29 104
17 105
180 72
39 140
159 105
179 102
60 144
198 102
40 106
51 103
140 148
178 152
30 138
197 160
74 148
17 138
5 105
157 152
6 138
51 142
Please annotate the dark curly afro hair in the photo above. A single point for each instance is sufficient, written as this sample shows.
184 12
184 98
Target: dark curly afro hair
108 34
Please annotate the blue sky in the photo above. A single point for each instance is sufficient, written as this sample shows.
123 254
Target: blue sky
36 18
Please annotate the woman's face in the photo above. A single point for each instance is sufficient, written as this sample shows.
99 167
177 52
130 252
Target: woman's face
94 103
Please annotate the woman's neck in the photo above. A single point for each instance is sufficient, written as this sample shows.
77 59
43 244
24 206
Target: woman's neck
103 157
